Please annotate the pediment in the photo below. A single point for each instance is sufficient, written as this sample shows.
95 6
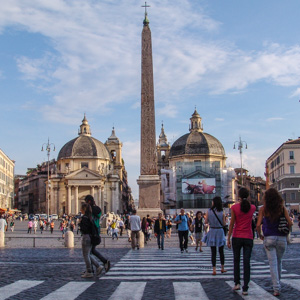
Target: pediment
84 174
199 174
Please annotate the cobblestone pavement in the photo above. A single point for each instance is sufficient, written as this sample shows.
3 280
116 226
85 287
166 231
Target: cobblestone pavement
149 273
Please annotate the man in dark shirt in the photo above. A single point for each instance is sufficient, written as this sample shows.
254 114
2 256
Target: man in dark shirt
96 213
160 231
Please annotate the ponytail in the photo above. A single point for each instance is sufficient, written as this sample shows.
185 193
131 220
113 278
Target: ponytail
245 204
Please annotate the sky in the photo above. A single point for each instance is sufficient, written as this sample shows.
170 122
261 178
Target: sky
237 61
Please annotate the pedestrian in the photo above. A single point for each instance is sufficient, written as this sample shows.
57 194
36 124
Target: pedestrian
86 231
275 241
3 224
108 230
169 228
52 226
29 226
215 238
242 237
198 224
135 226
114 229
160 231
121 226
35 225
183 230
12 225
145 229
62 228
72 226
42 224
127 227
96 215
191 229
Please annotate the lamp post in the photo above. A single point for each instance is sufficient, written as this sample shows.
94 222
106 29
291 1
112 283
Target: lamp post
48 149
240 145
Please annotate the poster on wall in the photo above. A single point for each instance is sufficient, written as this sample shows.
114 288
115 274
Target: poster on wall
199 186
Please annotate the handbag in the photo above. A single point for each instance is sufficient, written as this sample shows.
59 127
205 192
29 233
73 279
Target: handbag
283 225
225 228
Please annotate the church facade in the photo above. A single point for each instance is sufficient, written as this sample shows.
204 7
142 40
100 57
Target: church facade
87 166
193 170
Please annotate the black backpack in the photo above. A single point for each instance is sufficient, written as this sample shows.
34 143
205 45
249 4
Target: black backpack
178 224
95 237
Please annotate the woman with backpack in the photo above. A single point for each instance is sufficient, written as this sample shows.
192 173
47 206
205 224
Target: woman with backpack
242 237
275 221
86 228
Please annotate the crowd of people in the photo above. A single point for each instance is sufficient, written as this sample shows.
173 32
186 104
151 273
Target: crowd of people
272 224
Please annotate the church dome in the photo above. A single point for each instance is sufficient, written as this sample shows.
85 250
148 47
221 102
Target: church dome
84 145
197 142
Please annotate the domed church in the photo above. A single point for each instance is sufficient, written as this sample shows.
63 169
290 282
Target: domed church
87 166
193 170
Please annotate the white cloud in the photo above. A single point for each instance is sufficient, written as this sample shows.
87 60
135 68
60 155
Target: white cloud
96 54
219 119
275 119
296 93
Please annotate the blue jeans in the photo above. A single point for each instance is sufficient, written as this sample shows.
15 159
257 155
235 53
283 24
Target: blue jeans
237 245
161 239
275 247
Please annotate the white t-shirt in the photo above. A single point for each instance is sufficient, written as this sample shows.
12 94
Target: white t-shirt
135 223
2 225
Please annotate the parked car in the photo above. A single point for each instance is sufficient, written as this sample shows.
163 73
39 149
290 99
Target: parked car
54 217
31 217
43 216
37 216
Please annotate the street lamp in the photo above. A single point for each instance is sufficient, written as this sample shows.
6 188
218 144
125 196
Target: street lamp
240 145
48 149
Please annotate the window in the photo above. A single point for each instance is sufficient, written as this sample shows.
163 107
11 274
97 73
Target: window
84 164
292 169
291 154
293 196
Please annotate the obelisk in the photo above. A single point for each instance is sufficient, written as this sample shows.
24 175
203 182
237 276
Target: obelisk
149 182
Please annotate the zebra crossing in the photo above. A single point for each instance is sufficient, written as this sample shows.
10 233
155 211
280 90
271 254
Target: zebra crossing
170 264
185 276
134 290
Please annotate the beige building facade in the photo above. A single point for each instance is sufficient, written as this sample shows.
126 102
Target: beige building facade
7 167
283 172
87 166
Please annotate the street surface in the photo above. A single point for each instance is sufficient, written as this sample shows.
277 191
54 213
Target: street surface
149 273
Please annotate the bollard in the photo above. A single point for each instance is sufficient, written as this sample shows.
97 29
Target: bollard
69 239
2 239
142 240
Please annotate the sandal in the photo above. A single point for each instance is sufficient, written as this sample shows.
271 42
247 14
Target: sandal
276 294
223 271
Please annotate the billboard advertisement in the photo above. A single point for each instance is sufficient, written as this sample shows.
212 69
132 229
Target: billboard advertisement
199 186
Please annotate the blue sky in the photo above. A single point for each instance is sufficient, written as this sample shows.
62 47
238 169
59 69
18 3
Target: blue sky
237 61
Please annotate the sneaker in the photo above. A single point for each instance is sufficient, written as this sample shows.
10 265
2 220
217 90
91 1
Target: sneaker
245 293
137 247
196 248
107 266
236 287
186 250
99 270
162 248
87 275
181 251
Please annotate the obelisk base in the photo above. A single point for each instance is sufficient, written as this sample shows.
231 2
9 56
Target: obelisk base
149 196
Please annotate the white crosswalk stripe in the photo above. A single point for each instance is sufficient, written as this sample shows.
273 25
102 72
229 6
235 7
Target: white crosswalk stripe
152 264
129 291
254 292
189 290
294 283
134 290
69 291
17 287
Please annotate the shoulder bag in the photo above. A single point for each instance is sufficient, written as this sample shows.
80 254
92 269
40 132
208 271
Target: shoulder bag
225 228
